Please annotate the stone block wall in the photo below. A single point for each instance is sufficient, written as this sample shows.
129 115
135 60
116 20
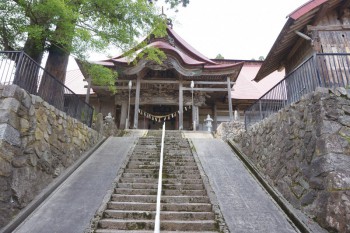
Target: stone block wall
37 143
227 130
304 151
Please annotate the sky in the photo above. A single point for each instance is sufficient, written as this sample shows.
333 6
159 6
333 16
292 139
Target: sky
236 29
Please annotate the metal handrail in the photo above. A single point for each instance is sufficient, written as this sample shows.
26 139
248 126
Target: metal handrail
159 193
18 68
327 70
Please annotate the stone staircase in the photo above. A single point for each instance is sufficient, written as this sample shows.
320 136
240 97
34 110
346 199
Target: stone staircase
185 205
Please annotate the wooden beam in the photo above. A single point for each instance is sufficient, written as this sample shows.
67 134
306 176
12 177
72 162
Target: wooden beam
329 28
203 89
105 88
320 14
208 82
159 82
175 82
295 48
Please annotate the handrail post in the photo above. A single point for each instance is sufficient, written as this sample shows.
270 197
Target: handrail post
159 192
19 62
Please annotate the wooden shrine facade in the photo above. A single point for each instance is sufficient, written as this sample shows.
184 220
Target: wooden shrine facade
163 92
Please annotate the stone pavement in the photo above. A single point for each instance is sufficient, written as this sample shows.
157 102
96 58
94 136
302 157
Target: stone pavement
197 134
70 208
246 207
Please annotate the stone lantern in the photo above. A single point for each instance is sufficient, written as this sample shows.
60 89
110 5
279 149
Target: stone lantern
208 122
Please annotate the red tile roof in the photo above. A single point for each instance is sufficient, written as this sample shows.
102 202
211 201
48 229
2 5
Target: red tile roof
246 88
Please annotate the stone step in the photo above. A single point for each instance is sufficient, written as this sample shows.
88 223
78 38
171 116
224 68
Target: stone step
164 199
201 225
138 180
166 159
182 181
180 163
164 215
165 177
138 185
181 170
143 166
165 186
182 176
164 192
155 180
146 154
140 175
112 205
185 205
183 186
133 170
187 168
188 207
152 162
144 231
155 163
182 158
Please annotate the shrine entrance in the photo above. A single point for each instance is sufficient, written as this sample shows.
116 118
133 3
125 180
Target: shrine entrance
181 91
152 117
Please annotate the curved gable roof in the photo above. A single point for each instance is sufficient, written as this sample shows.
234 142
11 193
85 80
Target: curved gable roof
185 54
188 48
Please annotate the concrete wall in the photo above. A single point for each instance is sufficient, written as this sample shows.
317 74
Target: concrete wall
304 151
37 143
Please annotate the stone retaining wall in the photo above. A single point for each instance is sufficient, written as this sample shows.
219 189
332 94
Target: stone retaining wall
227 130
37 143
304 151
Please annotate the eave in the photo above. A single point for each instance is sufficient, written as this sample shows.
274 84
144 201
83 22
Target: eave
307 14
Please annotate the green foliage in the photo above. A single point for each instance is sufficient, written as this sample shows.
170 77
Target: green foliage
153 54
102 76
11 25
81 27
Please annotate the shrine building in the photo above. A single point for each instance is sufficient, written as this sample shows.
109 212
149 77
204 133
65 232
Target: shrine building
184 89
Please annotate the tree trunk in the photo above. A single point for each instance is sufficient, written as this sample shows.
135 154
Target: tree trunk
51 88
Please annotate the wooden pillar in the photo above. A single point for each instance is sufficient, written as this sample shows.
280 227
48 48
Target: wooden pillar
181 107
137 101
196 115
229 97
215 110
123 114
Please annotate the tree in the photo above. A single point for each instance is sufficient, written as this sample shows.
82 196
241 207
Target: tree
76 26
219 56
